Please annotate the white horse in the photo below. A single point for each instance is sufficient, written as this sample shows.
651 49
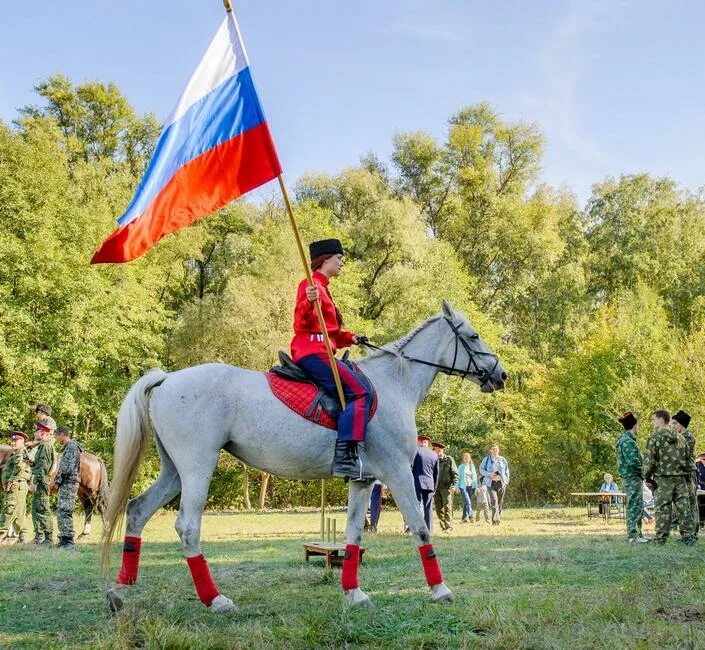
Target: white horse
196 412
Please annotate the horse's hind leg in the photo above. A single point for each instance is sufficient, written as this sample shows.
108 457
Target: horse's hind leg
401 483
194 492
140 510
358 500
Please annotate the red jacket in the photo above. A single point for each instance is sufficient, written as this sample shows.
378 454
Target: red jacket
307 331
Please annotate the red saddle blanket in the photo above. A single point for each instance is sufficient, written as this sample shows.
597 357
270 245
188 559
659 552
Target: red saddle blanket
300 396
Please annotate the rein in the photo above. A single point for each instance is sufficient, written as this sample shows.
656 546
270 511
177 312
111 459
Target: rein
472 367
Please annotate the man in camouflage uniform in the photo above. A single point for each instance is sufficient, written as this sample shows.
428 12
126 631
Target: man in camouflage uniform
43 415
40 484
667 469
629 463
680 422
15 475
447 478
67 480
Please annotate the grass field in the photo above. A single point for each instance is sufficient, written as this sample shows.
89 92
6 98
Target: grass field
545 578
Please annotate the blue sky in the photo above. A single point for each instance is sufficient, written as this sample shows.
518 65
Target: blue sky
616 87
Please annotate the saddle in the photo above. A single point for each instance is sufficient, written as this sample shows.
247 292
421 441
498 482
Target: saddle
298 390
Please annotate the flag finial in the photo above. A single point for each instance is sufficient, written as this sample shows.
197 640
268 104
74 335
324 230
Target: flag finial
228 6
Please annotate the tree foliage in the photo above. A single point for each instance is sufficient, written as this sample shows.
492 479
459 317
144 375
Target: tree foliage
593 311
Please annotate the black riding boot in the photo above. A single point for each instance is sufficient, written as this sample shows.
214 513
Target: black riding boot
347 462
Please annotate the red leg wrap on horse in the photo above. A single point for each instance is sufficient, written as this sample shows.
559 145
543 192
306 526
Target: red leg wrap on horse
201 574
351 561
430 565
130 561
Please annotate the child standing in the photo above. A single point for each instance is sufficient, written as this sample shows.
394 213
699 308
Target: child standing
482 502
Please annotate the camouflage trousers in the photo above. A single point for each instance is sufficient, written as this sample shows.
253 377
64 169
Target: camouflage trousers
673 491
41 510
64 508
14 509
693 496
442 500
635 505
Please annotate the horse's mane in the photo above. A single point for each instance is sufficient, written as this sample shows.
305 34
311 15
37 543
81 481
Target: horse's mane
395 346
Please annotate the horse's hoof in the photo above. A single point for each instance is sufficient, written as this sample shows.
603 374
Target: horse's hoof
441 594
115 600
357 598
222 605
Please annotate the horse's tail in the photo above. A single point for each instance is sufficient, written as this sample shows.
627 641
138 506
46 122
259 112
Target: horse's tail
101 497
132 431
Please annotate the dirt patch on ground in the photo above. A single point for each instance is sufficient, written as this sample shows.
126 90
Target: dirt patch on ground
681 614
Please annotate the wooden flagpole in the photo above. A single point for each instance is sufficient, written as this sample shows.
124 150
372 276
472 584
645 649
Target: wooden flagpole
292 220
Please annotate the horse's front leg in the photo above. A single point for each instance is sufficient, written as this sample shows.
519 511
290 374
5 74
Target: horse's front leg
87 504
358 500
401 483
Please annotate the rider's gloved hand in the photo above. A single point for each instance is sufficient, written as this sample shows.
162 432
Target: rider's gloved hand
361 339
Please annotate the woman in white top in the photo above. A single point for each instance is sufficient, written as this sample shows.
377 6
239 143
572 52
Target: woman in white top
467 482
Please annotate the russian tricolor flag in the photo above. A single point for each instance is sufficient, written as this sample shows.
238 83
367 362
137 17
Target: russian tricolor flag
215 147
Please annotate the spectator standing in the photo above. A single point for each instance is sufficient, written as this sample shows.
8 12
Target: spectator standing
40 484
482 503
630 466
425 472
667 469
680 422
68 477
467 484
15 475
447 479
494 470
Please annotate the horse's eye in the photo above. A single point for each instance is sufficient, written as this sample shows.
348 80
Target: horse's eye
474 337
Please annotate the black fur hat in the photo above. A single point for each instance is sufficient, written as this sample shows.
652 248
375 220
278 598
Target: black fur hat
682 418
325 247
628 421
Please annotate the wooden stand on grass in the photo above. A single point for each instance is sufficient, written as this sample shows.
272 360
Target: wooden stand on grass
328 547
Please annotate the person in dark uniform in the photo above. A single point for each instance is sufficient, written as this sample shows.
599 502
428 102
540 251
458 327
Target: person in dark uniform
447 478
700 478
68 477
425 471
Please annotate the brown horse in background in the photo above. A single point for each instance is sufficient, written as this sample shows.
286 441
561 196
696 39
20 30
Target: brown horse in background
93 487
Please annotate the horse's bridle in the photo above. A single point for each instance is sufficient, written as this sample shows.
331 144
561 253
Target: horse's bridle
472 368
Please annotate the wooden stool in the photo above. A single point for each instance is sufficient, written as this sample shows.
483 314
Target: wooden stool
333 553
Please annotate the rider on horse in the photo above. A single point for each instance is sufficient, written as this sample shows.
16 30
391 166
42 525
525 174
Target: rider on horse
308 350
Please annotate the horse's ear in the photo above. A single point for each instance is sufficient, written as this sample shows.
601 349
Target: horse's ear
448 311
